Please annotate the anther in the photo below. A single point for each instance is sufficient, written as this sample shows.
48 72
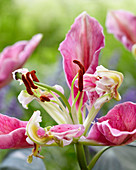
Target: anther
80 65
34 76
80 80
30 81
26 83
44 98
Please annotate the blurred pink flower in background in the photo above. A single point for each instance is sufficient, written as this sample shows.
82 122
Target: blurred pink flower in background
122 24
14 57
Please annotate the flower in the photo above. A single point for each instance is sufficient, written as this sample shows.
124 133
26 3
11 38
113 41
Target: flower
118 127
60 134
103 84
48 99
122 24
14 57
42 136
12 133
83 43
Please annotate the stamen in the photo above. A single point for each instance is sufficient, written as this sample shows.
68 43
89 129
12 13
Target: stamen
34 76
80 80
44 98
26 83
30 81
80 65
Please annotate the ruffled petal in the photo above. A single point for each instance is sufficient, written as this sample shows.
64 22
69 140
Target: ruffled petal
118 127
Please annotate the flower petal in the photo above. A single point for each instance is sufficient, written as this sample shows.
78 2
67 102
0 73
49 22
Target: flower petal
83 43
12 133
122 24
13 57
24 98
118 127
68 130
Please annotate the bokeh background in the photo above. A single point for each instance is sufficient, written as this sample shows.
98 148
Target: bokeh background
20 20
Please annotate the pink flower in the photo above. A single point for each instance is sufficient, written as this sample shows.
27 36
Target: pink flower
14 57
103 82
118 127
12 133
61 134
123 25
83 43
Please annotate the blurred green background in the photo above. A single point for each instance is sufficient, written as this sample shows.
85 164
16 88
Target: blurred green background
20 20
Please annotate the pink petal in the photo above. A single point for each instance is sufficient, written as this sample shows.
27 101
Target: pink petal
92 96
123 25
12 133
96 135
66 129
14 57
118 127
83 43
122 117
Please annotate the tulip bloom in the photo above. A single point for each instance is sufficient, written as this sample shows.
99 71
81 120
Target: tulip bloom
14 57
12 133
118 127
123 25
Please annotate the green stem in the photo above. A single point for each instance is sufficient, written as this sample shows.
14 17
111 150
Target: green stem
75 100
80 117
81 156
57 92
72 87
97 156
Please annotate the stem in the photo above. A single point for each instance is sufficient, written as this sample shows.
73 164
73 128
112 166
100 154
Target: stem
96 157
65 113
56 91
72 87
75 100
91 115
73 109
81 156
79 114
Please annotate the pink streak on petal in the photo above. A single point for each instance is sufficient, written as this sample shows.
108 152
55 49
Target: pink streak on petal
41 132
14 57
92 96
12 133
83 42
123 25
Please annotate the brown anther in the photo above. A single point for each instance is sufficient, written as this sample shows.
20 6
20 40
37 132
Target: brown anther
30 81
27 84
80 65
34 76
80 80
44 98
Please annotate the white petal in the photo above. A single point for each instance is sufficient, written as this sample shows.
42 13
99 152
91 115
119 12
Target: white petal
24 98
